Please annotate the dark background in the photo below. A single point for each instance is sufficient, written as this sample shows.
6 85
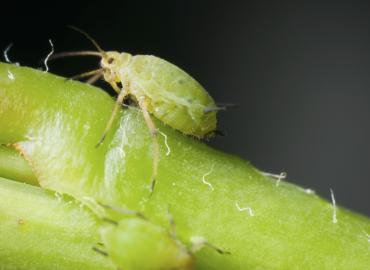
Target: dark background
300 72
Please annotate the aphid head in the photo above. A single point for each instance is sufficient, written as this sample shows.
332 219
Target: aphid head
113 60
113 63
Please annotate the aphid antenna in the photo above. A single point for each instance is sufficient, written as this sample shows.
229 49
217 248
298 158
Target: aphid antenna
100 53
78 53
88 37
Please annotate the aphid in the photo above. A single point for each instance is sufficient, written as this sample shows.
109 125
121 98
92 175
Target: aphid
159 88
135 243
131 238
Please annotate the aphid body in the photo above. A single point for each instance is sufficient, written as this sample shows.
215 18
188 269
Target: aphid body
158 88
165 91
136 244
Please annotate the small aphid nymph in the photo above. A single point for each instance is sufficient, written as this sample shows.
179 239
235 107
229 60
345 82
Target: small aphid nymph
159 88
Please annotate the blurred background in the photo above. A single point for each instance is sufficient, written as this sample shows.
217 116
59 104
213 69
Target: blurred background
299 71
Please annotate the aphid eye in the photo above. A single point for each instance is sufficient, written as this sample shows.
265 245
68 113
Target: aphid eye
110 60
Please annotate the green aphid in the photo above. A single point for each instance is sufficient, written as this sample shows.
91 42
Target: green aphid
135 243
159 88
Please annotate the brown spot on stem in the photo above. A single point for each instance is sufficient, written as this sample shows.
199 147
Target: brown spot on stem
21 222
22 152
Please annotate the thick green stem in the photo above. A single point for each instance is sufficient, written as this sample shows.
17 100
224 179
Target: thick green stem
56 125
14 167
40 230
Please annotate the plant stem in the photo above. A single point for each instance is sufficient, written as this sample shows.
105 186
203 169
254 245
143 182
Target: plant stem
41 231
56 125
13 166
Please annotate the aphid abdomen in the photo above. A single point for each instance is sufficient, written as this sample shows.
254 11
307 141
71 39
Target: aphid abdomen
180 117
138 244
174 97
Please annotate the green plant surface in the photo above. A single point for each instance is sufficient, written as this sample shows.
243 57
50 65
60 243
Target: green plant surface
41 230
56 124
14 167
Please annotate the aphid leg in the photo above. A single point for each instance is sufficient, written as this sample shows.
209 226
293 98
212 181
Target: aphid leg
116 88
215 132
124 211
198 242
122 94
111 221
154 132
172 223
87 74
101 252
93 79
